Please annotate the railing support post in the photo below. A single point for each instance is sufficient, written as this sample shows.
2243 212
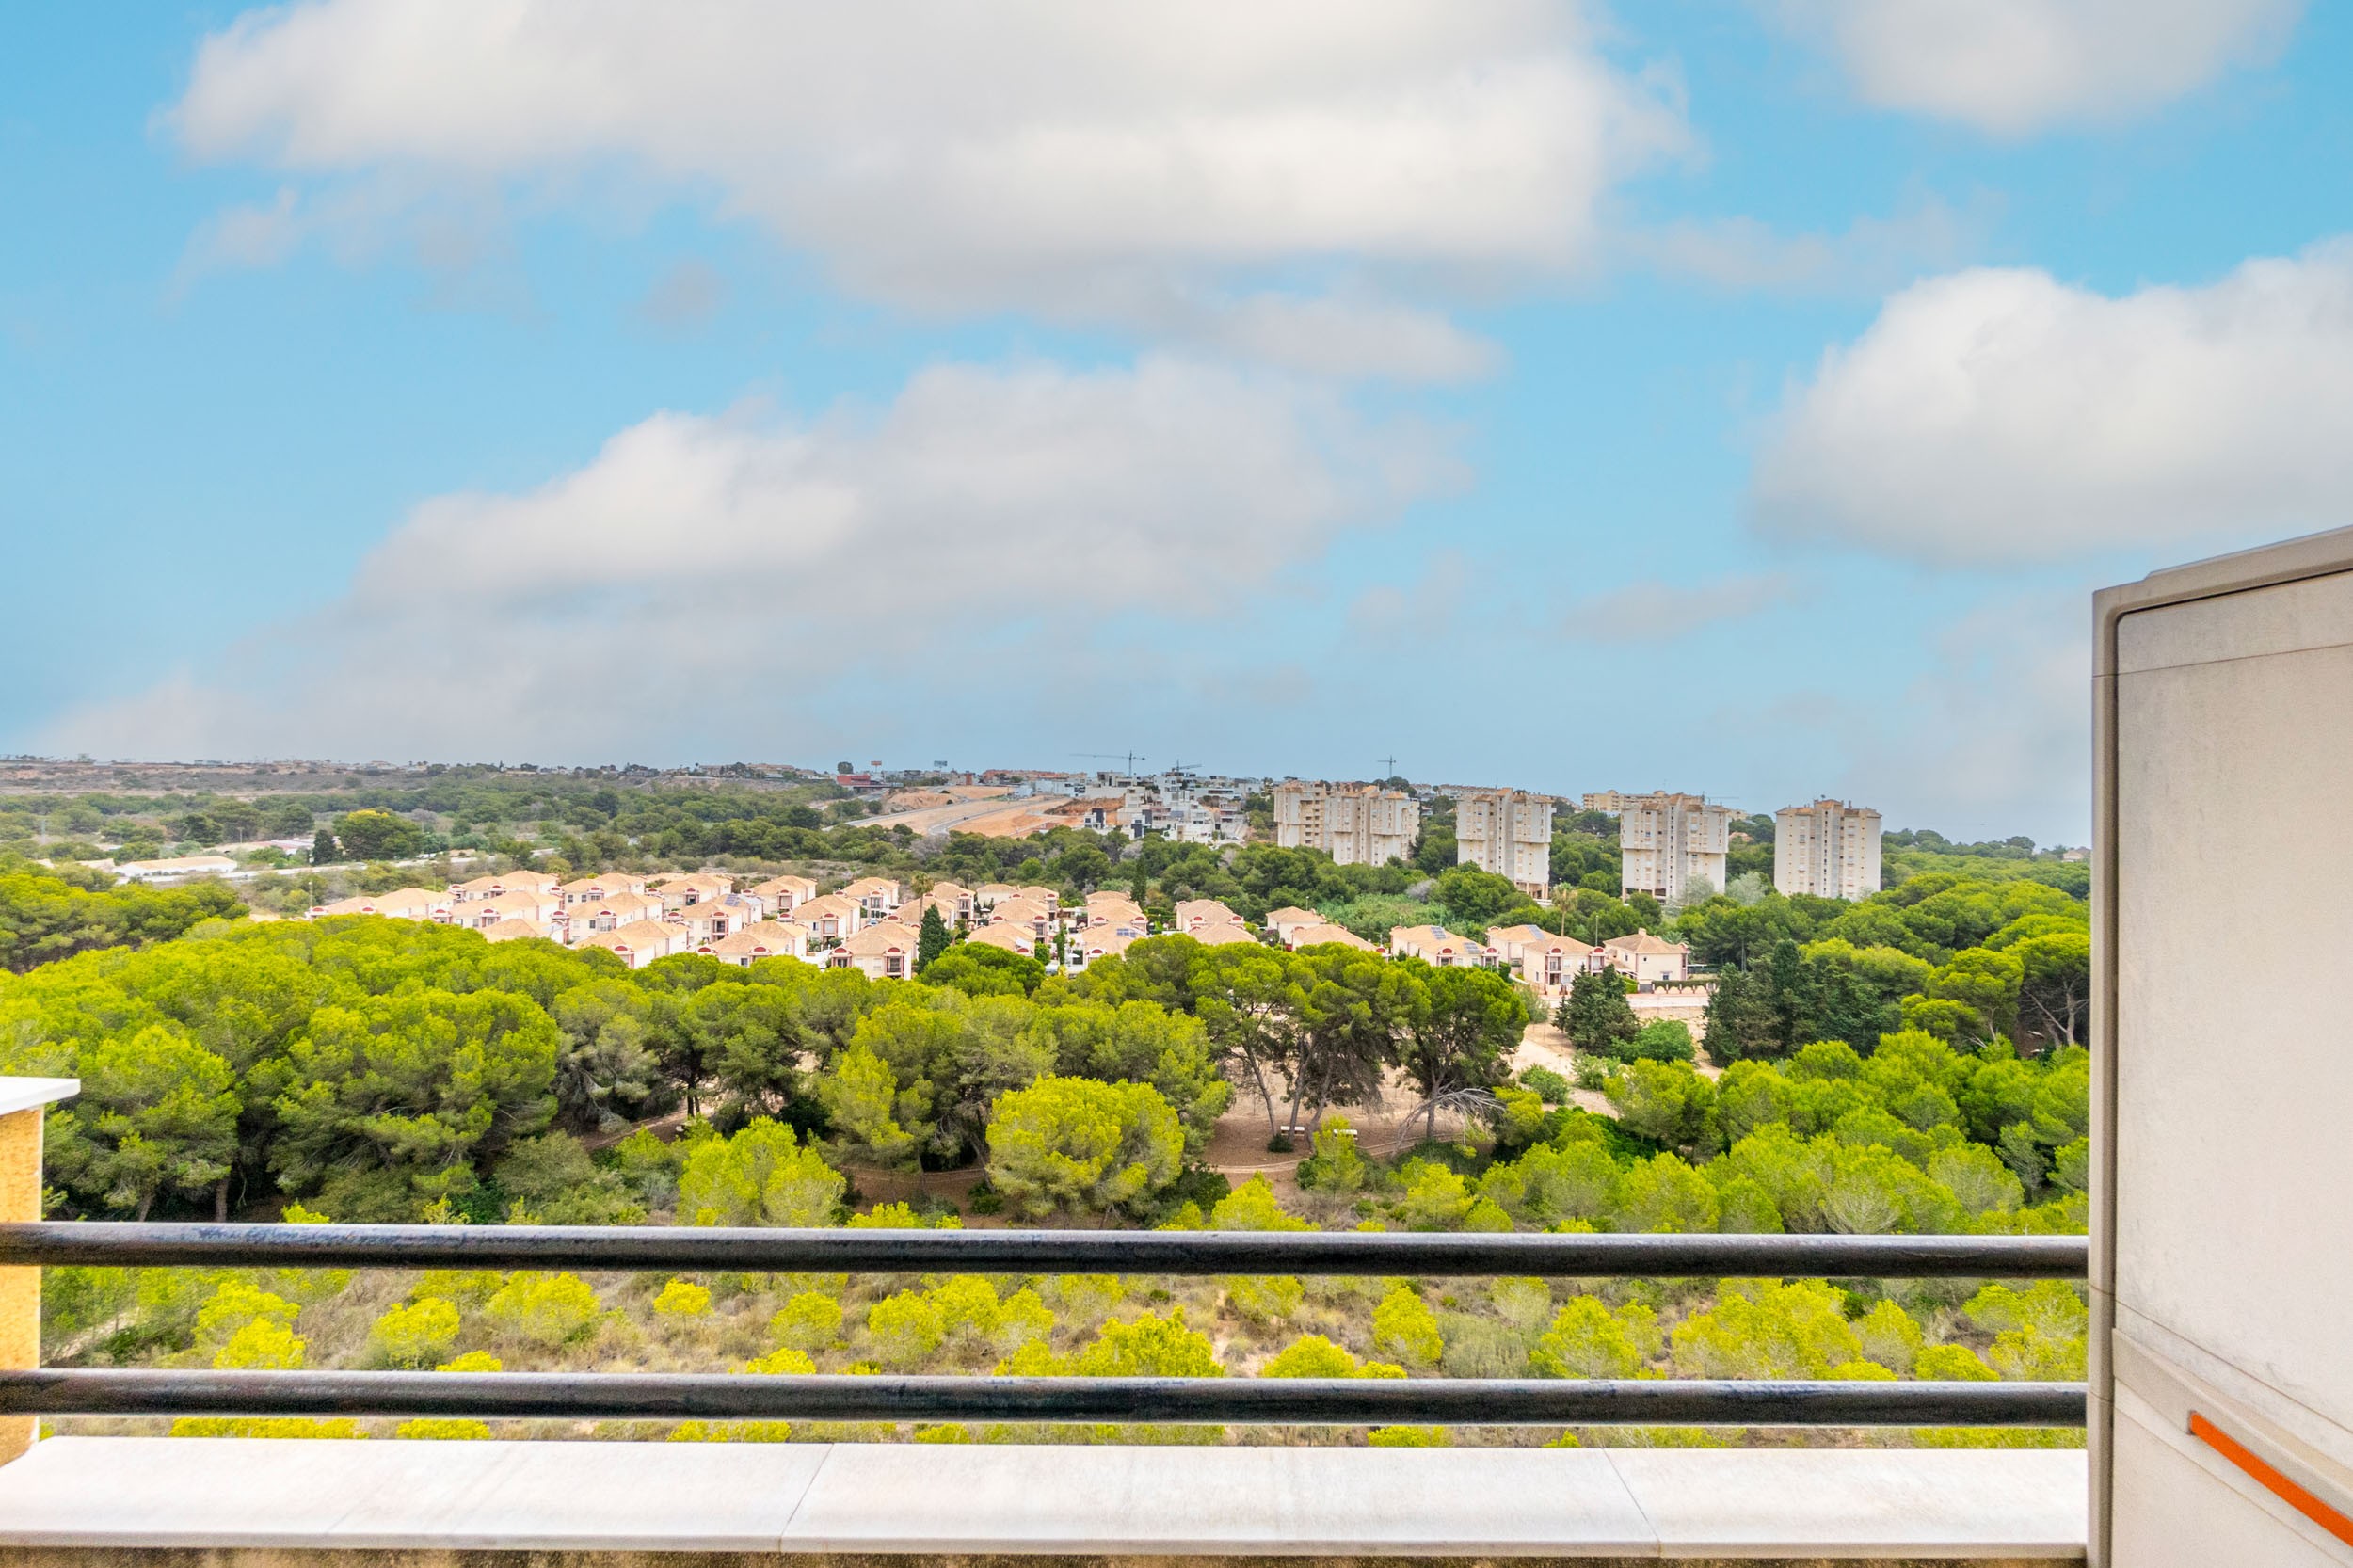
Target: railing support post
22 1102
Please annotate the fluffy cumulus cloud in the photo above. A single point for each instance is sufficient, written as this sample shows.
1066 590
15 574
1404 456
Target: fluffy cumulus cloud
2012 67
709 579
1139 164
2000 415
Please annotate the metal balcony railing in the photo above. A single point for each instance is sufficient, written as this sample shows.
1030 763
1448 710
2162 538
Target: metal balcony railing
1465 1402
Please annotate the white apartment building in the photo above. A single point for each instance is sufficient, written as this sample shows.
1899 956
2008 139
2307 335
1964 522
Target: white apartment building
1668 842
1357 824
1508 833
1828 849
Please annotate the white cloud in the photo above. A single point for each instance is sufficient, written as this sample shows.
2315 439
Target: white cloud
1995 738
1873 254
1660 611
2012 67
2000 415
746 576
1077 158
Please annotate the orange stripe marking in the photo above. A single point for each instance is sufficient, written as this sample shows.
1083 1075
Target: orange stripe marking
2285 1490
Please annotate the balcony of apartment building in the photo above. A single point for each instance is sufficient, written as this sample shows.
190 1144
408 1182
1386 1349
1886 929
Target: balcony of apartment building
2218 1412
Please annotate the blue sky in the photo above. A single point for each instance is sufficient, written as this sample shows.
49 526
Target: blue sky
1739 397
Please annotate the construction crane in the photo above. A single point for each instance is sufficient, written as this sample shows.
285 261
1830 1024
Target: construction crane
1132 758
1389 767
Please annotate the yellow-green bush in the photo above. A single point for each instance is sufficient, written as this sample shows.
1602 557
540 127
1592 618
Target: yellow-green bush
262 1342
809 1322
1264 1299
416 1335
338 1427
547 1310
1311 1355
1408 1438
904 1329
1436 1197
683 1298
1766 1329
1403 1326
1588 1340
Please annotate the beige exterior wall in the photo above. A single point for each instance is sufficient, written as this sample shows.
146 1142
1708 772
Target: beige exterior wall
23 1101
1670 841
1357 824
1508 833
2224 746
1828 849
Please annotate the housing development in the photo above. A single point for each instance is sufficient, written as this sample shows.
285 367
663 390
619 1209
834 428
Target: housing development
1672 849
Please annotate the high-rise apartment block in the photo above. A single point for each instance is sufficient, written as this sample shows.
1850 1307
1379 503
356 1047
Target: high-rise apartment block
1508 833
1670 844
1357 824
1828 849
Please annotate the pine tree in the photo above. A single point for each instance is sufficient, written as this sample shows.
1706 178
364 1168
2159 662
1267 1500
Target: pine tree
933 940
1741 1019
1595 1015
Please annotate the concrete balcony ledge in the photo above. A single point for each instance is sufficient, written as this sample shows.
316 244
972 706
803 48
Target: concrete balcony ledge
223 1500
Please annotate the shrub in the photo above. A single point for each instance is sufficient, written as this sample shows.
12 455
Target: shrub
1768 1330
1404 1326
340 1427
1665 1194
465 1287
1588 1340
234 1304
784 1361
1085 1298
1480 1347
262 1342
969 1312
1336 1166
809 1322
1150 1347
1436 1199
1889 1336
1659 1040
684 1299
1264 1300
473 1361
416 1335
1080 1143
1522 1302
443 1429
1311 1355
1951 1364
731 1432
1408 1438
905 1329
902 1216
759 1177
1253 1207
554 1177
1550 1086
547 1310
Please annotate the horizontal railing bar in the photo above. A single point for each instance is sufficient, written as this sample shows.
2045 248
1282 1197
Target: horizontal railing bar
1290 1402
1074 1252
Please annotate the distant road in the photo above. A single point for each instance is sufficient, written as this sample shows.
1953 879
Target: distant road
935 819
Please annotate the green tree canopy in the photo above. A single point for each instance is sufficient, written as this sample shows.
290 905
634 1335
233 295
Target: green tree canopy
1081 1146
389 1100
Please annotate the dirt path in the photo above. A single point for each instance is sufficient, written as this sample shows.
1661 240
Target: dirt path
1543 1046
